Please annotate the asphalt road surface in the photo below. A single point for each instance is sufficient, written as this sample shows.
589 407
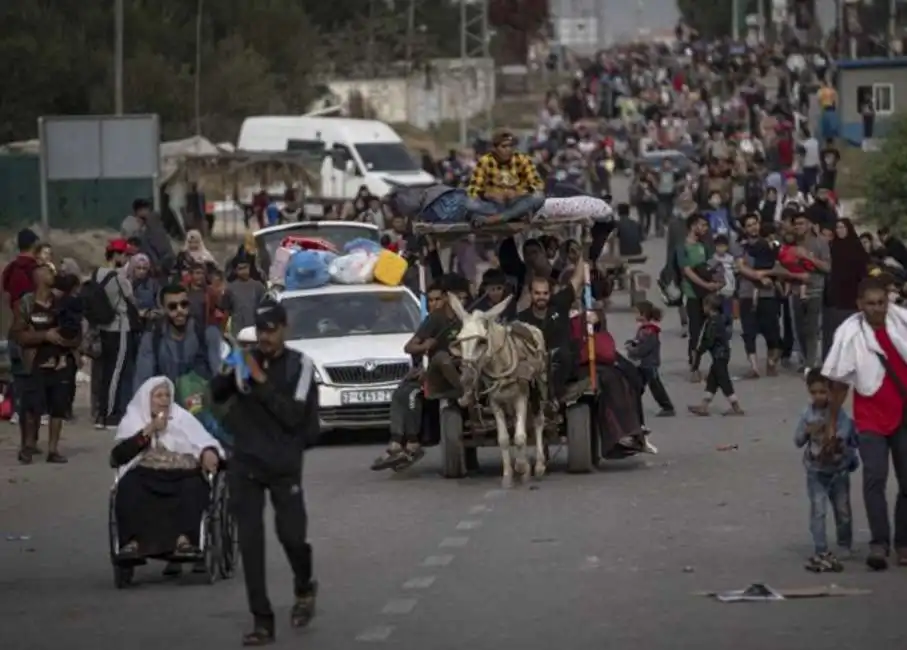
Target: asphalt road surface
608 560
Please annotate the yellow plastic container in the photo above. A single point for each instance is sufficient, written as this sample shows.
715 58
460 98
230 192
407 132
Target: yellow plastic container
390 268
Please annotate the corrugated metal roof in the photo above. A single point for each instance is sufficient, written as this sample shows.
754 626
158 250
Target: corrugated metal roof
859 64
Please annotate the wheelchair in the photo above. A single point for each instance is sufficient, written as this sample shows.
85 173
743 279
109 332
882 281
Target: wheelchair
218 539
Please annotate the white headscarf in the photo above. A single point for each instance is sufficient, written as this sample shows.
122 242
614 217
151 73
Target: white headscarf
202 255
184 433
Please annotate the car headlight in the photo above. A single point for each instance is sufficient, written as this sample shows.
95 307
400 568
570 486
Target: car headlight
318 379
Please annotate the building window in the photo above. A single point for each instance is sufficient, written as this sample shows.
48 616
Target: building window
883 98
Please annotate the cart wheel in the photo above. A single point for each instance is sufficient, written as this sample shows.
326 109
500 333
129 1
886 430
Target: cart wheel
452 454
122 576
579 442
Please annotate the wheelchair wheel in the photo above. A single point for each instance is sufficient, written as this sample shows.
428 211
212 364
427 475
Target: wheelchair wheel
122 575
229 539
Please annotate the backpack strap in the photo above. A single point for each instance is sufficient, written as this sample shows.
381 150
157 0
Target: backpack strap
157 337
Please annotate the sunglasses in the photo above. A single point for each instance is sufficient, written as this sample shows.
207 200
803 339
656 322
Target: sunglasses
173 306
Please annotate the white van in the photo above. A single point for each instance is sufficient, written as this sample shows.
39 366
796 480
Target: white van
355 152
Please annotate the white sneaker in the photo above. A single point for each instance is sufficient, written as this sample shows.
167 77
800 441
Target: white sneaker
14 419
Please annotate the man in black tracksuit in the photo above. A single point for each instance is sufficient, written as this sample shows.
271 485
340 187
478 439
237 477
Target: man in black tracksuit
272 424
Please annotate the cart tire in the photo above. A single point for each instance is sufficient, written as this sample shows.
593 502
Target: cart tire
452 453
579 439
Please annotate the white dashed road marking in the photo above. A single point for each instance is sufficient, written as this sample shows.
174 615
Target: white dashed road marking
400 606
419 583
376 634
405 606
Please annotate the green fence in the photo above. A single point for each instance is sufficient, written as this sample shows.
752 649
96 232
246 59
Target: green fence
72 205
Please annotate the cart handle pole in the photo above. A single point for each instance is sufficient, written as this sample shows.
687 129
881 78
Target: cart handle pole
590 329
423 301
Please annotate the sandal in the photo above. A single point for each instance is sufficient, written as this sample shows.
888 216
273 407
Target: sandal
390 460
824 563
129 551
699 409
410 457
25 456
303 610
258 637
56 458
184 548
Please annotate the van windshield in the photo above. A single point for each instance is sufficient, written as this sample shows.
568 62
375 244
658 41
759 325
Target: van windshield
386 157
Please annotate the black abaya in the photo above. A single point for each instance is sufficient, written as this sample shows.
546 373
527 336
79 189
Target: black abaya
156 506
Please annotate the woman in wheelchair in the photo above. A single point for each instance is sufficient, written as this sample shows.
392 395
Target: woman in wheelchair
162 454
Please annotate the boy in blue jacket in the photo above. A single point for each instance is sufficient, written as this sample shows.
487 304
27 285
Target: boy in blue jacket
829 463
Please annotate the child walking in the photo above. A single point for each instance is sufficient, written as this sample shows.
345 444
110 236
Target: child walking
829 463
715 339
645 349
722 266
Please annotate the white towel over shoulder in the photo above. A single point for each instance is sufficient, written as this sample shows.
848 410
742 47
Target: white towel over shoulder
853 357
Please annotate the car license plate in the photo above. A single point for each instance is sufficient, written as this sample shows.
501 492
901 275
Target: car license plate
365 396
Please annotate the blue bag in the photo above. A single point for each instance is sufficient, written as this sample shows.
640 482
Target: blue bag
360 243
308 270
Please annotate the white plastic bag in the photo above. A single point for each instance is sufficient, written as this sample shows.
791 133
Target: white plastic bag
356 268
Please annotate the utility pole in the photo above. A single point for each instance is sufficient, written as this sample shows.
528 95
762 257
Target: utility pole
410 34
118 21
475 43
198 67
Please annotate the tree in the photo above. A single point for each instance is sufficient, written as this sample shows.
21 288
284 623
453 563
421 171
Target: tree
710 18
258 56
884 186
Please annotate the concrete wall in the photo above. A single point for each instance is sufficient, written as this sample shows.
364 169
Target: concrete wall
447 92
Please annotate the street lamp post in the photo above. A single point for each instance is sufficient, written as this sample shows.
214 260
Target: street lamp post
118 57
198 67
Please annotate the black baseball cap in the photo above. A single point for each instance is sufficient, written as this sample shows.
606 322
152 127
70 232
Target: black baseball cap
269 316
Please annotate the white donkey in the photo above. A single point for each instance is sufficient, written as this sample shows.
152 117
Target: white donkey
506 363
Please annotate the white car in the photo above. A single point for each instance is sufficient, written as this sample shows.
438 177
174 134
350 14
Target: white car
355 335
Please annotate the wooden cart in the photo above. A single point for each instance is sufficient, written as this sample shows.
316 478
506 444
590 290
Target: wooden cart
465 429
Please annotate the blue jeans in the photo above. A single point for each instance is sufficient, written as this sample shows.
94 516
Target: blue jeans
509 210
824 488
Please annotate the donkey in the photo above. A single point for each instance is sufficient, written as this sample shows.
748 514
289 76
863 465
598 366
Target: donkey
506 363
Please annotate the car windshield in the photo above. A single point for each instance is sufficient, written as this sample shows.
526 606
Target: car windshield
329 315
386 157
339 236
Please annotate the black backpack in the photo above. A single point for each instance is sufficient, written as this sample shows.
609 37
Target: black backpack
97 306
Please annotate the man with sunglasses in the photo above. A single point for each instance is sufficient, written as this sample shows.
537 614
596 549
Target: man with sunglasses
178 344
272 423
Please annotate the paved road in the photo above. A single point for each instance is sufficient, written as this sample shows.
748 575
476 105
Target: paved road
608 560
